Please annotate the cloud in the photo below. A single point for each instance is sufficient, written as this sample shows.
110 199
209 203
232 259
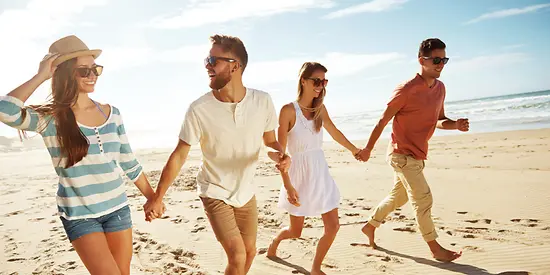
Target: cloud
372 6
338 65
199 13
509 12
485 62
28 32
515 46
185 54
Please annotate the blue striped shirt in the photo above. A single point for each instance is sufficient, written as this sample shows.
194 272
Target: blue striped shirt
93 187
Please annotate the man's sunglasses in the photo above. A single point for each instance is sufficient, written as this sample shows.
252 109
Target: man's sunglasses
318 82
213 60
85 71
437 60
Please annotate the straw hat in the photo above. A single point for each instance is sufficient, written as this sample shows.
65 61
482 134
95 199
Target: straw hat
70 47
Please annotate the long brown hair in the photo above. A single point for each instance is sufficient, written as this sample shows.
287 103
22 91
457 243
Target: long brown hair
308 68
73 144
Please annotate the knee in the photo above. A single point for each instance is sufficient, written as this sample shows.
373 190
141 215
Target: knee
332 229
423 202
250 252
237 258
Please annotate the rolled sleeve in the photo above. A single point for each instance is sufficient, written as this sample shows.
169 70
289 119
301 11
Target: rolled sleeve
127 160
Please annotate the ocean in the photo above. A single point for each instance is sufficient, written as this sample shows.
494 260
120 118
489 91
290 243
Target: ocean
491 114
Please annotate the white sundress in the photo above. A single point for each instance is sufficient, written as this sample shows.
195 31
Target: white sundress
309 172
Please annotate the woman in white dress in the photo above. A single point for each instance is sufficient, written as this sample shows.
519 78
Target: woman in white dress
308 188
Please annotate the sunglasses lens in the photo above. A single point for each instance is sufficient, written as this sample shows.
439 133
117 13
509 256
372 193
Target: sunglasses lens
98 70
211 60
438 60
83 72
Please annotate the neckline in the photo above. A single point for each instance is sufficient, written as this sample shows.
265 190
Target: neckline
425 83
103 124
299 110
246 94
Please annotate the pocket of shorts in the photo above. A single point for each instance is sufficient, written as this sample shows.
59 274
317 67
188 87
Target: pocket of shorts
398 161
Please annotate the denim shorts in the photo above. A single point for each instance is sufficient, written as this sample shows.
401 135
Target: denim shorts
112 222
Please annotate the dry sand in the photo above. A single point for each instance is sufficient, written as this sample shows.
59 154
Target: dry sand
491 200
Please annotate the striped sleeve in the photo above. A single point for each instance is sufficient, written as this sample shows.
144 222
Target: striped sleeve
127 160
11 114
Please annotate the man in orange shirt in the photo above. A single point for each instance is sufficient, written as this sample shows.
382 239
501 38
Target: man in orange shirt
417 108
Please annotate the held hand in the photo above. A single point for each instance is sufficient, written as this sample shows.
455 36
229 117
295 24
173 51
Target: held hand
463 125
284 163
46 70
292 197
274 156
356 152
364 155
154 208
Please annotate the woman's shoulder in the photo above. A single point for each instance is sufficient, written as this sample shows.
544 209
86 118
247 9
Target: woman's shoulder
288 109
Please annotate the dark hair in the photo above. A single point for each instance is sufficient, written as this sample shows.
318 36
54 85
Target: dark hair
232 44
430 44
72 142
308 68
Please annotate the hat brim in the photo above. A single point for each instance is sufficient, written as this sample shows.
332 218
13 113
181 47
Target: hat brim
65 57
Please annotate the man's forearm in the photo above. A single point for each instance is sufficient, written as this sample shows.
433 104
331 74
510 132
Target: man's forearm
375 135
169 174
275 146
446 124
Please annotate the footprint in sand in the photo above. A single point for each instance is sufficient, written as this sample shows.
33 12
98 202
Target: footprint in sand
198 229
16 259
487 221
385 258
405 229
473 248
13 213
526 222
360 244
352 214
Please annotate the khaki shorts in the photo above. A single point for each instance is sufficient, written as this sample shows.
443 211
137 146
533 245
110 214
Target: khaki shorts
228 221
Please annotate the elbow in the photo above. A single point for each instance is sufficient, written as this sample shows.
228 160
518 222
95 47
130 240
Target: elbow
382 123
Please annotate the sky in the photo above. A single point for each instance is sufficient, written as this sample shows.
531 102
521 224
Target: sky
153 51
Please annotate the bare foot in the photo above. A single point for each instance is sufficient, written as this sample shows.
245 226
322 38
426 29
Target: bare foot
272 249
317 272
445 255
368 230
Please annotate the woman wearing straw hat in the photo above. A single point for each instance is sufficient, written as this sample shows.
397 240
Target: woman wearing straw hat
87 143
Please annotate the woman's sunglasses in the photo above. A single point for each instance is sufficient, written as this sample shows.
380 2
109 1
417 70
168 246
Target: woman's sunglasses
213 60
437 60
85 71
318 82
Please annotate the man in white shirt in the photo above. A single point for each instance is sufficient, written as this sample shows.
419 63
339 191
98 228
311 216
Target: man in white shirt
230 123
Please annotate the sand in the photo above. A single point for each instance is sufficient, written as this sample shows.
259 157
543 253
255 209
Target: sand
491 200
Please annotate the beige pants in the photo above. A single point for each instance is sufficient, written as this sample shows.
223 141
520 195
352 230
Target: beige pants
409 184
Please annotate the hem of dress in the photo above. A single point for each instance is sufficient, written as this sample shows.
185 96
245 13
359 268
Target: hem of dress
298 214
93 216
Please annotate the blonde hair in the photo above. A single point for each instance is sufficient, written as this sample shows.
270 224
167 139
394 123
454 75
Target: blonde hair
308 68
